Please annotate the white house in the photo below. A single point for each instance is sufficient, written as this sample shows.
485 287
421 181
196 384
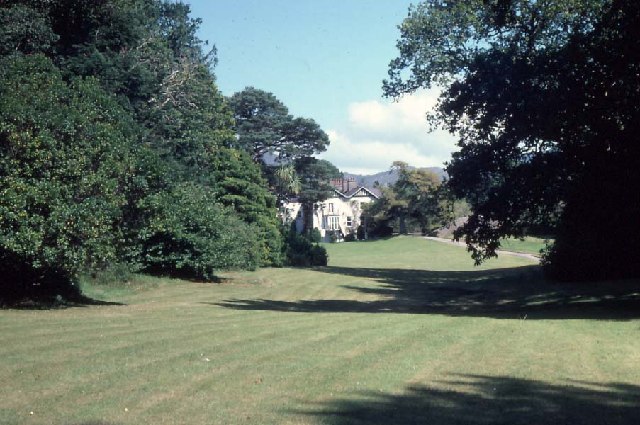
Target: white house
339 215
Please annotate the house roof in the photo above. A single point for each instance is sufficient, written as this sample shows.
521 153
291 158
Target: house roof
357 190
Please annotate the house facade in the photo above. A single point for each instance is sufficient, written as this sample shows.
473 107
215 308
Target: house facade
340 214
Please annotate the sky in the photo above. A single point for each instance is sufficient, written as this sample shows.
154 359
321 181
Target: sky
326 59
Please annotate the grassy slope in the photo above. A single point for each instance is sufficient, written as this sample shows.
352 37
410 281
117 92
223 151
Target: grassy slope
397 331
528 245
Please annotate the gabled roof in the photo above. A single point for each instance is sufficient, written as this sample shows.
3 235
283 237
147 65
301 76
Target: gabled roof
357 191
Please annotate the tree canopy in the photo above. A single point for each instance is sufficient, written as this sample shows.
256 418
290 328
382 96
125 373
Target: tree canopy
542 96
417 195
116 147
264 126
65 165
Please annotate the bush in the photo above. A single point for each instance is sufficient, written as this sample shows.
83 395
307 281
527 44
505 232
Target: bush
382 230
298 250
301 252
189 235
23 281
350 237
314 235
318 256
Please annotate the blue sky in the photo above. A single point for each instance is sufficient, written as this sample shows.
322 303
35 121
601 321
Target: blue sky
326 59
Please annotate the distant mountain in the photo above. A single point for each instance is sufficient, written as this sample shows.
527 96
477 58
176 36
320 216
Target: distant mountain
386 178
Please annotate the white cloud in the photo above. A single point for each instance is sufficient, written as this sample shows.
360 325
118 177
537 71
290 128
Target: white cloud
379 132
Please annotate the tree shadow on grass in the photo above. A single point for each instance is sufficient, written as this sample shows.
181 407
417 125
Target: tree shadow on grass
476 400
54 304
94 423
519 292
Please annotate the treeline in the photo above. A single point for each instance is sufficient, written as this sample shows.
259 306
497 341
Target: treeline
418 202
543 97
117 148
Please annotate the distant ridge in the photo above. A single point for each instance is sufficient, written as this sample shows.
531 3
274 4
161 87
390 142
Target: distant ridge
386 178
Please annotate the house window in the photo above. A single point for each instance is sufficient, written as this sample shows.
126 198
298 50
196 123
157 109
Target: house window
330 207
332 222
349 222
299 213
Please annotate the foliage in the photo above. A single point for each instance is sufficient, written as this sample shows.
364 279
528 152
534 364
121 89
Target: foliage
417 195
318 255
263 125
543 96
350 237
240 186
285 181
26 29
65 165
98 138
302 251
380 229
314 235
265 128
191 235
315 176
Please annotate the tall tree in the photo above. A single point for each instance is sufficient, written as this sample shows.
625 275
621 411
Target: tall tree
264 126
240 186
417 194
427 203
315 176
65 167
542 97
146 56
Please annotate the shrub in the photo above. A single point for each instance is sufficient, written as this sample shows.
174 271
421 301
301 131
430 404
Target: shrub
22 280
318 256
314 235
382 230
301 252
350 237
297 250
189 235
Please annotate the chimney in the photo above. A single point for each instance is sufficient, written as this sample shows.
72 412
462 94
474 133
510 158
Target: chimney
351 183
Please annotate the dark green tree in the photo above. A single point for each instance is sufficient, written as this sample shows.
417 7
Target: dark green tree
542 97
190 235
147 56
65 167
264 126
25 28
387 208
241 187
426 199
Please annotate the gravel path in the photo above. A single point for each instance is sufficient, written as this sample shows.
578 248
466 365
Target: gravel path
500 252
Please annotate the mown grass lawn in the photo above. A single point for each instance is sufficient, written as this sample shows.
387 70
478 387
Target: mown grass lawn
527 245
401 331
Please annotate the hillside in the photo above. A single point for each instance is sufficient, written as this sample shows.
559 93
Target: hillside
385 178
